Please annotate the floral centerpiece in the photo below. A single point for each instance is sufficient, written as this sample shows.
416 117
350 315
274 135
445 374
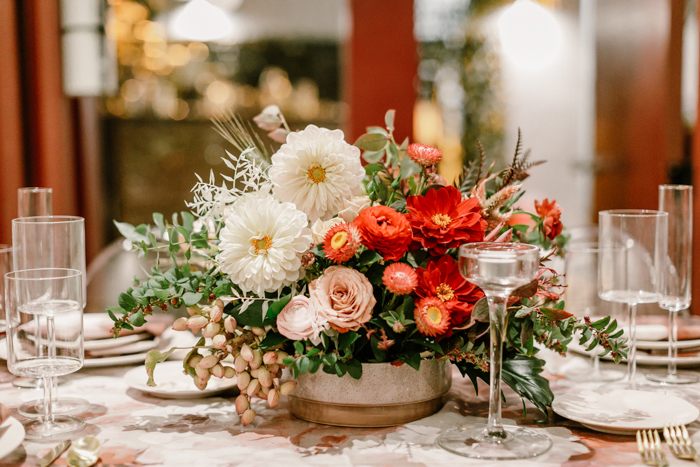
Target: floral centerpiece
304 258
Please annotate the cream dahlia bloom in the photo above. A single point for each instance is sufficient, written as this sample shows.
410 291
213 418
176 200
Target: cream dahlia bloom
317 171
262 244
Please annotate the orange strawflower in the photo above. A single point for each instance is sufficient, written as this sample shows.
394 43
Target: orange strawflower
423 154
341 242
400 278
432 317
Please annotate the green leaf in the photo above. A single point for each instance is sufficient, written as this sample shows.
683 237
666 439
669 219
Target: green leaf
378 130
373 156
314 364
329 359
355 368
159 221
371 142
190 298
126 301
187 221
379 354
345 340
303 363
389 119
276 308
369 257
129 232
555 314
371 169
152 357
272 339
341 368
299 348
137 319
523 375
411 358
601 323
117 309
480 312
427 342
161 294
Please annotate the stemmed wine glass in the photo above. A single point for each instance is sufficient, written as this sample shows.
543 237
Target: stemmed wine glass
677 201
5 267
45 337
498 269
581 275
51 242
631 267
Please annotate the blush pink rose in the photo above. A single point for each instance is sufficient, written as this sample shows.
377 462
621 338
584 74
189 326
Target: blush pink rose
344 297
299 321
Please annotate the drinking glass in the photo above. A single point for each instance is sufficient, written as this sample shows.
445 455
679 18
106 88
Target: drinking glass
51 242
498 269
677 201
637 275
34 201
45 337
5 267
581 296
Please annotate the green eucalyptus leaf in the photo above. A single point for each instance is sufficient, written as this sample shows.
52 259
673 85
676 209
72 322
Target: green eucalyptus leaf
371 142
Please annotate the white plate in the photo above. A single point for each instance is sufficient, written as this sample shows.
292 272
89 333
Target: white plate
11 436
688 361
169 338
132 348
663 345
104 344
173 384
624 412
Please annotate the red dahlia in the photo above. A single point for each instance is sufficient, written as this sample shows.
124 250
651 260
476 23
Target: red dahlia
443 280
385 231
441 220
550 212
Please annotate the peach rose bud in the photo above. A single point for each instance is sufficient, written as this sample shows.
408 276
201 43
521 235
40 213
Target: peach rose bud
240 364
230 324
281 356
265 378
216 314
217 370
203 373
273 369
200 383
219 341
180 324
219 303
247 353
208 361
257 359
211 329
269 358
243 380
194 310
242 404
248 417
257 331
263 392
287 387
273 397
194 360
229 372
197 322
253 388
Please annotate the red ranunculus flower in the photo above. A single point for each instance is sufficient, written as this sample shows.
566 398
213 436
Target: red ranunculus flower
443 280
441 220
385 231
551 215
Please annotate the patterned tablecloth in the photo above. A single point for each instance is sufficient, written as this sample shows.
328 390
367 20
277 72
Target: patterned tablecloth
138 429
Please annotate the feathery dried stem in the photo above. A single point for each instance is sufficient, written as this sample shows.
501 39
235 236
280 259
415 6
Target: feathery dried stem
241 135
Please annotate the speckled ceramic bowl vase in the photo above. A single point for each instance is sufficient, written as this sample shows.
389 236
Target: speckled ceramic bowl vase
385 395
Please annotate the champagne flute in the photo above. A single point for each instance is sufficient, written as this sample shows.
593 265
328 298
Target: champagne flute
498 269
677 201
5 267
637 275
45 337
51 242
581 295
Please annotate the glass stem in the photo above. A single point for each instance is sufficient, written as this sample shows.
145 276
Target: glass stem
632 354
672 342
596 362
497 312
48 409
48 384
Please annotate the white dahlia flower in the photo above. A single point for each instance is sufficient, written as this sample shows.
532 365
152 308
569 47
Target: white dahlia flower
317 171
262 244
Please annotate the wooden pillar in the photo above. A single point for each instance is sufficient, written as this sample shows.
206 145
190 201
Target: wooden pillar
48 114
381 64
695 309
11 147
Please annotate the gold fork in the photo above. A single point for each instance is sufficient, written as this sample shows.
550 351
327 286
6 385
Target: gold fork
679 442
649 445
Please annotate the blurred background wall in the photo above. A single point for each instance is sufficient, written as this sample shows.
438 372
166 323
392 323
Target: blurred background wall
109 101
